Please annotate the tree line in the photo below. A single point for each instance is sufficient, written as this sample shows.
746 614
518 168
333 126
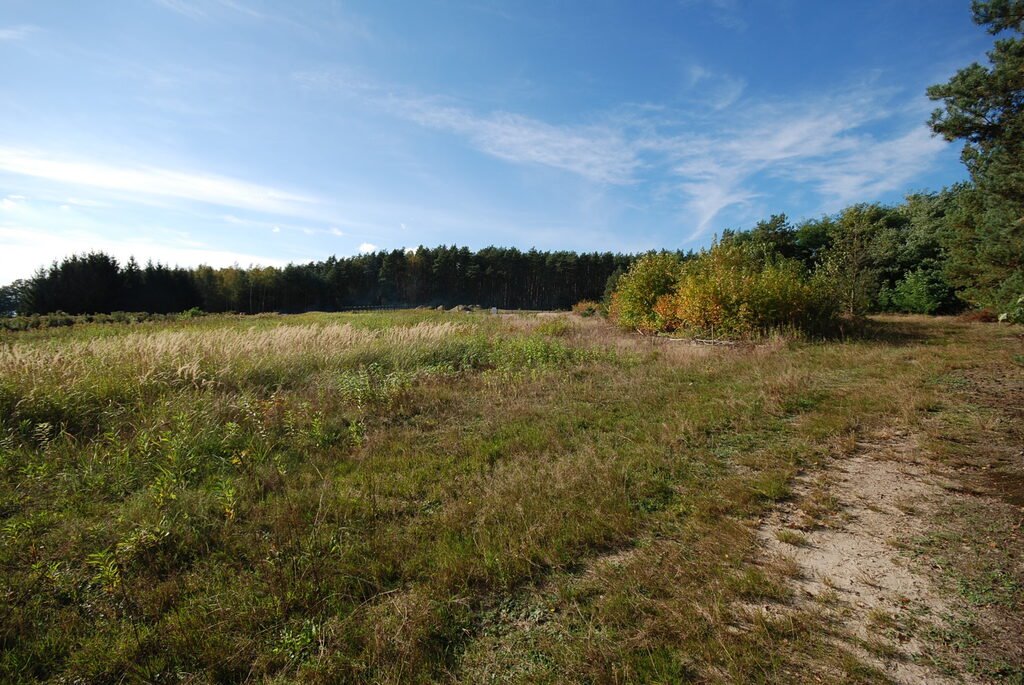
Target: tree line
492 277
903 257
918 256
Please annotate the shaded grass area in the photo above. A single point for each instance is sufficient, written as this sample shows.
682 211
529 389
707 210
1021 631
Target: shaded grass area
413 497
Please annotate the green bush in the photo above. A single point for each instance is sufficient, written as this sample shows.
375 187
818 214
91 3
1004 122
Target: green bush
637 291
920 292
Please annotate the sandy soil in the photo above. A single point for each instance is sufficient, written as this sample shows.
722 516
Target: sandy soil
849 560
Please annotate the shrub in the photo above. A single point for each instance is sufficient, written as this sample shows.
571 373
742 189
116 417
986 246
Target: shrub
61 319
555 328
587 308
1016 313
920 292
650 277
735 291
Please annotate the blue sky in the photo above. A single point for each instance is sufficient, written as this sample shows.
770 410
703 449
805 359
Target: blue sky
248 131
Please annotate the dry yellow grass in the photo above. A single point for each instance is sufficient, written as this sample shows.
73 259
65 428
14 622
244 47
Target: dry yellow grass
169 355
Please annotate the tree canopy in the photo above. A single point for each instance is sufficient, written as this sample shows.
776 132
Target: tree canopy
983 106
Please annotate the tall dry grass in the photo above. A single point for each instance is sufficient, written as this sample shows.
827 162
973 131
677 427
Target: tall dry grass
221 351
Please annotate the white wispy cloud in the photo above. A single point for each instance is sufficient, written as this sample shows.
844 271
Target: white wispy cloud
846 146
331 20
12 33
196 9
191 10
366 248
147 181
11 203
874 168
596 152
84 202
727 13
823 145
717 89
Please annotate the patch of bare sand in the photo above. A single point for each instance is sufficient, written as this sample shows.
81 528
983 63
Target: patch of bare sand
848 560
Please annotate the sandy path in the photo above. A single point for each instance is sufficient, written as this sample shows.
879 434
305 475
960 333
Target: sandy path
849 559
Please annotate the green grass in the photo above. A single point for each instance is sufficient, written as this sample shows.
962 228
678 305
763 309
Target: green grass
792 537
422 496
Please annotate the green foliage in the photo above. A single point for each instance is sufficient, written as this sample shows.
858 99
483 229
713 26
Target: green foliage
13 298
920 292
984 107
870 257
610 285
1000 15
853 265
774 236
1015 314
632 305
864 254
986 249
737 290
813 238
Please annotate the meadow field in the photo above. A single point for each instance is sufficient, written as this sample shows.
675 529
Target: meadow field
422 496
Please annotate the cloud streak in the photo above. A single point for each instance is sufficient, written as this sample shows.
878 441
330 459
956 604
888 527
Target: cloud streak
596 152
844 147
829 146
155 182
198 10
335 22
726 13
718 90
13 33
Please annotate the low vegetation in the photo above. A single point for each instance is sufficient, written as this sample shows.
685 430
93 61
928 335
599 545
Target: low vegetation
733 290
421 496
62 319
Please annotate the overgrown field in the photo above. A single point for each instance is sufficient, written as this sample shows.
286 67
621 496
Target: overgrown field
422 497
